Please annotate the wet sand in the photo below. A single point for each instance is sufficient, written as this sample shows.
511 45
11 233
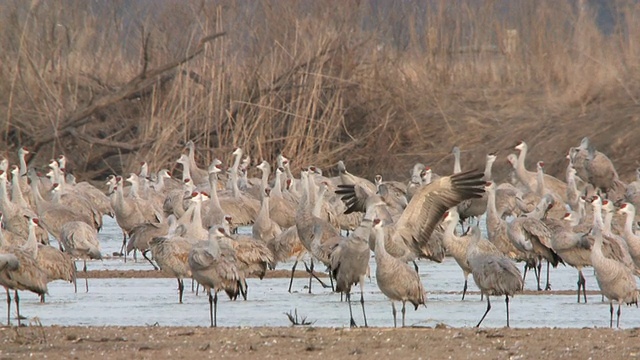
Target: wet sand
310 342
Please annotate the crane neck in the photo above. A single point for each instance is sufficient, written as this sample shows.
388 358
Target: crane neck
31 245
628 223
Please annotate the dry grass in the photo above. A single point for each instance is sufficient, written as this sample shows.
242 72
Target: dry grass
379 86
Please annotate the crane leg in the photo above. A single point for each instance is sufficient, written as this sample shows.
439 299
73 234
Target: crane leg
404 309
310 270
75 278
486 312
17 299
538 269
215 309
42 298
124 245
506 301
86 278
244 287
581 284
547 287
313 275
331 280
618 318
364 314
611 313
464 289
180 289
415 266
584 288
144 254
293 270
393 311
8 307
524 272
352 323
210 306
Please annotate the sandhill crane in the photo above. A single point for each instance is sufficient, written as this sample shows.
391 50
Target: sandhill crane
15 217
75 203
474 208
285 246
199 176
186 172
264 228
164 183
96 197
215 266
574 249
493 272
617 245
19 270
532 236
192 218
53 215
56 265
174 202
350 262
282 204
573 194
415 227
313 231
393 193
16 189
456 246
528 178
615 280
253 255
7 237
128 212
632 239
397 280
80 241
497 232
632 193
350 179
140 237
171 252
596 168
218 206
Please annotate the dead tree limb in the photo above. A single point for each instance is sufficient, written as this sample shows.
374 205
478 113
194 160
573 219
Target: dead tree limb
94 140
138 83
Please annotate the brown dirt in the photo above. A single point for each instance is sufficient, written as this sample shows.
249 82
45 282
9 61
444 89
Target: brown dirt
294 343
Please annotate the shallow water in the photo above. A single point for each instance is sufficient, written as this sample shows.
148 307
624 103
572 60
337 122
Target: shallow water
149 301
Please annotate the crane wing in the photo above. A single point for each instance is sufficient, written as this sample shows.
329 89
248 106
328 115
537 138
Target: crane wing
429 204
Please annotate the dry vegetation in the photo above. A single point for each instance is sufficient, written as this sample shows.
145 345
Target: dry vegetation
379 84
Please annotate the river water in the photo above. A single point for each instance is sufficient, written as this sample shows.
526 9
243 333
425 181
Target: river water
116 301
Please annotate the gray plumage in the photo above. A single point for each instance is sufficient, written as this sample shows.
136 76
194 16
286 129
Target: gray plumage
215 266
615 280
171 252
350 263
397 280
19 270
493 272
415 227
457 246
80 240
575 250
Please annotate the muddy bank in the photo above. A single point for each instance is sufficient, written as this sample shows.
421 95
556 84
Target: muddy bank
308 342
